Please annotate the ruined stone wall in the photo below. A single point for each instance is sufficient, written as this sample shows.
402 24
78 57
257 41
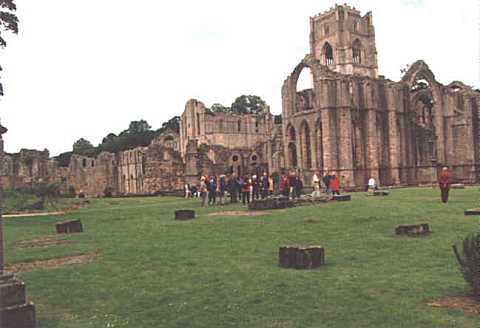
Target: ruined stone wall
228 130
90 176
397 132
27 167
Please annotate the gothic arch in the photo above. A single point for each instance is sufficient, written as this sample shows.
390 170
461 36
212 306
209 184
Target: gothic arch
292 155
305 145
357 51
291 133
328 54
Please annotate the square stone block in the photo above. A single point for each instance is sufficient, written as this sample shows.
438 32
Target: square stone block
12 293
19 316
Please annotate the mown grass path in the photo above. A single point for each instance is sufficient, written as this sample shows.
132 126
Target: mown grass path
220 271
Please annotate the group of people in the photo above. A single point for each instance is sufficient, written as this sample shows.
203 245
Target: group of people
213 190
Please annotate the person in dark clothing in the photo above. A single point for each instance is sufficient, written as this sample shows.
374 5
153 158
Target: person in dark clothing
231 187
255 188
284 187
326 181
212 190
264 185
298 187
245 190
222 187
444 181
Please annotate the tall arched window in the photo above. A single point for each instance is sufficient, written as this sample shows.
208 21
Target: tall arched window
357 51
328 54
239 125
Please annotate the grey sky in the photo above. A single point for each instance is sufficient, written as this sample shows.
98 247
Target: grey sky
87 68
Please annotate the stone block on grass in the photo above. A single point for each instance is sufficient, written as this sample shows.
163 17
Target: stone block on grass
183 215
70 226
301 257
413 229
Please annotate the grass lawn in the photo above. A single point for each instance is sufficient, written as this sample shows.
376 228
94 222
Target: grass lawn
222 271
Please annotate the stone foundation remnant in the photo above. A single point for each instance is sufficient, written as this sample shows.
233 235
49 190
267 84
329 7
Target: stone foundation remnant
381 193
271 204
474 211
342 198
413 229
70 226
15 310
309 200
301 257
184 215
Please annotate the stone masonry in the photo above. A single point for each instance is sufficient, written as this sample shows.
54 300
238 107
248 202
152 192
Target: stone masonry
351 121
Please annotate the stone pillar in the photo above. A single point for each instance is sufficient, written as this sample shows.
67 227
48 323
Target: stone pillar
344 134
394 145
327 103
372 137
15 311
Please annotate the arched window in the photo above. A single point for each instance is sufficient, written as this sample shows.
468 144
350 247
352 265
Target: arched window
239 125
220 126
328 54
291 133
357 51
84 162
306 148
326 29
292 155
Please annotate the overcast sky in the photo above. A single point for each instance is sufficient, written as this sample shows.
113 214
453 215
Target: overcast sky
87 68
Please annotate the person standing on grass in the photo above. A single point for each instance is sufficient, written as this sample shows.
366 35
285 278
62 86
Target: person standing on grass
284 187
372 185
245 189
335 185
444 181
212 190
316 184
326 181
255 188
203 191
264 185
222 187
188 191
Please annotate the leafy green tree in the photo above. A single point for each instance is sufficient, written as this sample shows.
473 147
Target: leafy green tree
219 108
84 147
8 23
172 124
249 105
138 127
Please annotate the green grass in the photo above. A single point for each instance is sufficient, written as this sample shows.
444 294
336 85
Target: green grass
222 271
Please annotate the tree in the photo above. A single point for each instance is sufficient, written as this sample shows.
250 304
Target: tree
8 23
249 105
84 147
219 108
171 124
138 127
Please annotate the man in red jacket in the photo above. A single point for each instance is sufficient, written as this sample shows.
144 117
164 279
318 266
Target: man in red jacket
445 180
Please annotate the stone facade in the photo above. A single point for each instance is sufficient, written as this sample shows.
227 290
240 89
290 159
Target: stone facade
350 121
360 125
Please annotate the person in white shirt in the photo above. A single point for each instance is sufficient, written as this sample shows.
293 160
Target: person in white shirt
316 185
372 184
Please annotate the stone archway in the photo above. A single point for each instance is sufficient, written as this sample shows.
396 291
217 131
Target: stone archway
306 146
292 155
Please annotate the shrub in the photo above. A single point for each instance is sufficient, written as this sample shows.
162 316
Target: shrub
469 261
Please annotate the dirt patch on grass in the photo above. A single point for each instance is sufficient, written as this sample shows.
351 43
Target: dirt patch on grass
465 303
53 263
44 241
240 213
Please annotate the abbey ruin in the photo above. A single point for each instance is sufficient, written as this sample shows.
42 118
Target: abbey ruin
352 121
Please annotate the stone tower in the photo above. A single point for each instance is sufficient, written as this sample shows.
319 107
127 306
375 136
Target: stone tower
344 41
